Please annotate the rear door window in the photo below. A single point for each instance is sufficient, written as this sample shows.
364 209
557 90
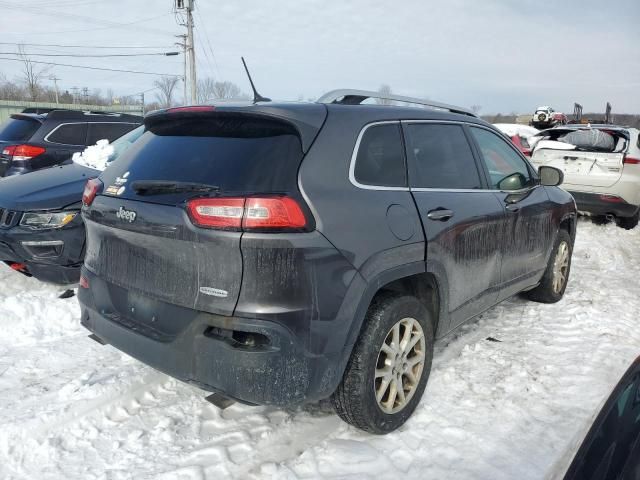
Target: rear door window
238 155
107 131
380 159
440 157
69 134
18 129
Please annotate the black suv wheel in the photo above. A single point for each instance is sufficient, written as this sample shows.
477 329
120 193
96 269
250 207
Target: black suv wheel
556 276
389 366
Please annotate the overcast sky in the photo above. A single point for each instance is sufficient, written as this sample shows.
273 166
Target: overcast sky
505 55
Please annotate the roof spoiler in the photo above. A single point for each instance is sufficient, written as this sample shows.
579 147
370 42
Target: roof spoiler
356 97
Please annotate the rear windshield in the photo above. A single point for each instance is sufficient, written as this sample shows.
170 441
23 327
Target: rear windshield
18 129
239 155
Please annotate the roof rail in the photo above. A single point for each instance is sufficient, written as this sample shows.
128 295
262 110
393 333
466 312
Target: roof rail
356 97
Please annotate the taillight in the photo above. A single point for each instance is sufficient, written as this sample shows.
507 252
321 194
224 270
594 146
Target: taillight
23 152
611 198
91 189
251 213
275 212
631 160
216 212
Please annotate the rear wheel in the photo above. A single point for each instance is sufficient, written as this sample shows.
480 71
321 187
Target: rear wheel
600 219
389 366
628 223
554 281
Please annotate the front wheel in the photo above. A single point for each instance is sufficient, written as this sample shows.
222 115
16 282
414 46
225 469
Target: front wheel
628 223
389 366
554 281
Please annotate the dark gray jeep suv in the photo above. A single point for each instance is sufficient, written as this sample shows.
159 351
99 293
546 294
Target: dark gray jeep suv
286 253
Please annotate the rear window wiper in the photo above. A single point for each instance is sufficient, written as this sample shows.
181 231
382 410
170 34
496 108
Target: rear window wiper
158 187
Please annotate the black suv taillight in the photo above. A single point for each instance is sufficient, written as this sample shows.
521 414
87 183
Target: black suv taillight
23 152
91 189
247 213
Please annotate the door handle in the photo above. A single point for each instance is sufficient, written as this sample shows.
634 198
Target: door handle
439 214
512 208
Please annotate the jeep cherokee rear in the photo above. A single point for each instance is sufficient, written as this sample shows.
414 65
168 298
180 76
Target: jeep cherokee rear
285 253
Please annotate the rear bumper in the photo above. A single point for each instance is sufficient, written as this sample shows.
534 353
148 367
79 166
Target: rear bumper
53 256
597 204
200 348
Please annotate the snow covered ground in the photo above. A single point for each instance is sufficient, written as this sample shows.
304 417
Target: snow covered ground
70 408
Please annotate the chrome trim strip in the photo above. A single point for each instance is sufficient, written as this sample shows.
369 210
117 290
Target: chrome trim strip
46 139
46 243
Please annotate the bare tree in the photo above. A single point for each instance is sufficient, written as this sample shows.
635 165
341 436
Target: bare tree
206 89
476 108
386 91
167 86
226 90
209 89
31 74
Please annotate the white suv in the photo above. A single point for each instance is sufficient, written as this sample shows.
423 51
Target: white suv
601 165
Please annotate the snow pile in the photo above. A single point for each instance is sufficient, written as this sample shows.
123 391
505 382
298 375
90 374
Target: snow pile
512 129
95 156
71 408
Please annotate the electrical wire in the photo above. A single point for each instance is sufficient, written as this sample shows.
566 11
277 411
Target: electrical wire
162 54
92 68
81 46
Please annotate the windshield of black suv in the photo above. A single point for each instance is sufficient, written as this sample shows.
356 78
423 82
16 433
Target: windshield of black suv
18 129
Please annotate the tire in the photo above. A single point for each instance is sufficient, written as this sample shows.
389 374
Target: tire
600 220
355 400
551 288
628 223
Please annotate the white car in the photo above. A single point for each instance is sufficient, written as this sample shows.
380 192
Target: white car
601 165
545 117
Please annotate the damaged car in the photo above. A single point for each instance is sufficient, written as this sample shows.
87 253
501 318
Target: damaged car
601 166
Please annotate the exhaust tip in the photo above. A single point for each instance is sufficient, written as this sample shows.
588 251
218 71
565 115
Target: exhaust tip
220 401
97 339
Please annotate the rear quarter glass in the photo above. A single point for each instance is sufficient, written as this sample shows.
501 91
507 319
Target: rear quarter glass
238 155
18 129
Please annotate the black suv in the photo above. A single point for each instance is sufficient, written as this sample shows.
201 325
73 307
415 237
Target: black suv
286 253
31 141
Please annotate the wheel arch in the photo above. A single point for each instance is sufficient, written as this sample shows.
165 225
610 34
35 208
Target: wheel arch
413 279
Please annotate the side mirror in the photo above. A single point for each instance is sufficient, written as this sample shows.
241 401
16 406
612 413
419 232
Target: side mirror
515 181
550 176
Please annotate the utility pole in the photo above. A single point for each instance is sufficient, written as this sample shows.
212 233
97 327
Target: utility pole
75 94
55 82
142 101
192 52
184 76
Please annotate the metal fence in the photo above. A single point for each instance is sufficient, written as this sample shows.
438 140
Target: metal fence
8 107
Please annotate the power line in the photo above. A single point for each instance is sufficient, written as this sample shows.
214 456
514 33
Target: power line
75 55
120 25
80 46
91 68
